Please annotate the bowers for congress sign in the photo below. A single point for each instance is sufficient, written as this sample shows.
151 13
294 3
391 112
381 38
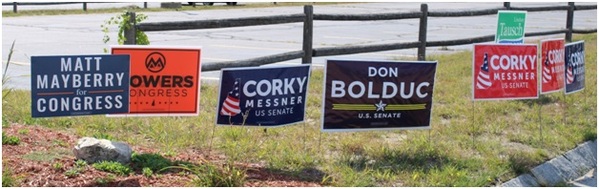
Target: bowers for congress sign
552 65
368 95
79 85
164 80
574 76
504 71
262 96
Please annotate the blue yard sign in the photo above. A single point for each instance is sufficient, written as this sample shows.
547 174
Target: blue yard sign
574 74
79 85
263 96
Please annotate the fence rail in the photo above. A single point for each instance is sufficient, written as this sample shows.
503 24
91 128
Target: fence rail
16 4
308 18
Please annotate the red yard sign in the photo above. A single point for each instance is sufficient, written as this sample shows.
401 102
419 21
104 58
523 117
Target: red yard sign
504 71
164 80
552 65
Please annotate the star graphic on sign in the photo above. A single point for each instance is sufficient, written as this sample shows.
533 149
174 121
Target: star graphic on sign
380 106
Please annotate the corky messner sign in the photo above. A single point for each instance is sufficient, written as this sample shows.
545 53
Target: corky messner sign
370 95
165 81
552 65
263 96
504 71
574 76
79 85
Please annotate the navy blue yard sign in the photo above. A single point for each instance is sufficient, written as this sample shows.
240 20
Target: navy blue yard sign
263 96
574 74
79 85
369 95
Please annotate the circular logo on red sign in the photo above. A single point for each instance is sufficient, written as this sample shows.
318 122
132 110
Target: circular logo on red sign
155 62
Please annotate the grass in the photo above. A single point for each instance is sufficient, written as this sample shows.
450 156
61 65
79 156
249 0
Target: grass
10 140
470 144
48 156
8 179
209 175
135 8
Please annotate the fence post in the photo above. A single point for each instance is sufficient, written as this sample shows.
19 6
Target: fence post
14 7
570 21
145 5
84 6
308 34
131 30
507 6
422 32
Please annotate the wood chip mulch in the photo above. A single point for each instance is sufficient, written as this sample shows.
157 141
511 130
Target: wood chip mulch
43 148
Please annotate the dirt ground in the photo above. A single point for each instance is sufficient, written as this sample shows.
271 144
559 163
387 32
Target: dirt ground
32 163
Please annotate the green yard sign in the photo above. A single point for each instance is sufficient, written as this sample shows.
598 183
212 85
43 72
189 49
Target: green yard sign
510 26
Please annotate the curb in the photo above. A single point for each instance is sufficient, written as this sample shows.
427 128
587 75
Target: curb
561 169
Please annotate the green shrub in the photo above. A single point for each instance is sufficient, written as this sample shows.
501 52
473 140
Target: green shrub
112 167
154 162
10 140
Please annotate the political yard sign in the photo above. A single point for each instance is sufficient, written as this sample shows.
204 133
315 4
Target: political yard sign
504 71
263 96
371 95
552 65
510 27
164 80
574 74
79 85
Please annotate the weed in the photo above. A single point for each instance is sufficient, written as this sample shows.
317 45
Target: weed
59 143
154 162
147 172
101 135
80 163
23 131
73 172
170 153
10 140
208 175
112 167
57 166
105 180
5 77
8 180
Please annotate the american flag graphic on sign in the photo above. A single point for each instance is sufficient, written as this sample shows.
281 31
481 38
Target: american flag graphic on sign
483 81
569 75
231 104
546 71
